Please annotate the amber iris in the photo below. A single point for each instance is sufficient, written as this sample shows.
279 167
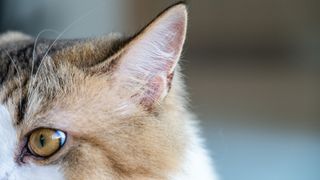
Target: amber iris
45 142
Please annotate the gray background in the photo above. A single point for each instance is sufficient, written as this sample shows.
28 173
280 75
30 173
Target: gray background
252 69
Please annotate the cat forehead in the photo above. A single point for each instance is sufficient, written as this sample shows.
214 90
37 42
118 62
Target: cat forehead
26 53
24 60
33 48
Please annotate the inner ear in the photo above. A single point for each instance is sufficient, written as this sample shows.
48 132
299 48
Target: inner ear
144 68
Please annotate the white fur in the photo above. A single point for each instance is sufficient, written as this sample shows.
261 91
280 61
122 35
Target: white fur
197 163
12 36
9 169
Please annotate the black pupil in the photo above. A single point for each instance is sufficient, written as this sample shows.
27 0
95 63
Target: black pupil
42 140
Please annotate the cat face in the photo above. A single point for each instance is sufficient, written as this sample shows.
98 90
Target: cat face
99 108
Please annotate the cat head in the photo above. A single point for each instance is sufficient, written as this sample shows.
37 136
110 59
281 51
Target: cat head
103 108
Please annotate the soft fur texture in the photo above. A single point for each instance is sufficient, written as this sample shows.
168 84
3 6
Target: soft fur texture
121 102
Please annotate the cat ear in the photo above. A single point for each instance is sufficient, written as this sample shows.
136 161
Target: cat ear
145 66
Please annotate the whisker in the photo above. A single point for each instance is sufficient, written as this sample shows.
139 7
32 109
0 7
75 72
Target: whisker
34 50
58 37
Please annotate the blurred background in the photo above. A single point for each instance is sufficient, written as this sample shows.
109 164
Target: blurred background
252 69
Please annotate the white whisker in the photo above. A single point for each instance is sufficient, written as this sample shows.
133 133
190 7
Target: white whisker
58 37
34 50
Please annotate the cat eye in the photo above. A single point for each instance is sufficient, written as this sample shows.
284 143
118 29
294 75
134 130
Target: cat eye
45 142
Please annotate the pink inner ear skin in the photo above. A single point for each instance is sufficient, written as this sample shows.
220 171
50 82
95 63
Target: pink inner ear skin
175 44
154 92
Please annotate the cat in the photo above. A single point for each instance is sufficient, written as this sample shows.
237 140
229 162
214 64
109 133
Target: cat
109 108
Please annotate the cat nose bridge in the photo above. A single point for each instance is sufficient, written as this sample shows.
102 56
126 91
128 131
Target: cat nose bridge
8 143
6 167
4 177
7 164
